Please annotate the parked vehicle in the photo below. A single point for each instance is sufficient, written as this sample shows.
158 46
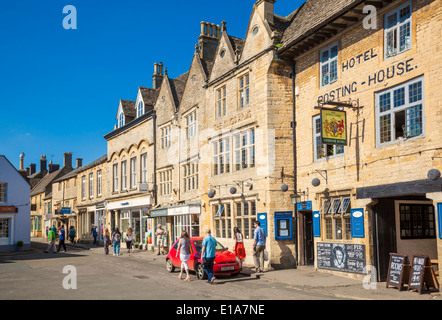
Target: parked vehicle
225 261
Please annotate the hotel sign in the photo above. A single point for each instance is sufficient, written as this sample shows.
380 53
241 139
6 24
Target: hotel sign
334 127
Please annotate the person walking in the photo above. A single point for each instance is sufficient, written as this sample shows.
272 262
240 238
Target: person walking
129 240
208 255
184 251
161 239
51 239
107 241
259 246
72 234
240 251
61 238
95 235
116 238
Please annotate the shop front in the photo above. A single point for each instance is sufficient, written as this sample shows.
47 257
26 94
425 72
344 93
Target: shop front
185 218
132 213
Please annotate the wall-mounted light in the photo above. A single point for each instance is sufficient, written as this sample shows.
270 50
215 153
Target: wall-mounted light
433 174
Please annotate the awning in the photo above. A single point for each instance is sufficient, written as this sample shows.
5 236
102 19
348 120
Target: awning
419 187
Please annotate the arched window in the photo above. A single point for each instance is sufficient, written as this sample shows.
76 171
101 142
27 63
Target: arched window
121 120
140 109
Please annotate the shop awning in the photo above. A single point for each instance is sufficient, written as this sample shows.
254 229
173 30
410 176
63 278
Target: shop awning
419 187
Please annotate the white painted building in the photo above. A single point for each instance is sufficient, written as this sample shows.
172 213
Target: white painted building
15 211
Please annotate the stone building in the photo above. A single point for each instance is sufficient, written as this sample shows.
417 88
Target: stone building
370 196
248 104
130 166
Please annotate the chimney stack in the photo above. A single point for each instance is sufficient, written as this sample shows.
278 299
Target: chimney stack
67 159
53 167
157 75
32 168
208 40
22 158
266 9
43 164
79 162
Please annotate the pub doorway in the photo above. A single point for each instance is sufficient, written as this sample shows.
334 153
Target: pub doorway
308 244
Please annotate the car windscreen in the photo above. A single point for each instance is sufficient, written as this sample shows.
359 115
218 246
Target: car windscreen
199 245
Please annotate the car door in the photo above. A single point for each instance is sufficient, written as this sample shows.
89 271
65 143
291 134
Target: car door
175 260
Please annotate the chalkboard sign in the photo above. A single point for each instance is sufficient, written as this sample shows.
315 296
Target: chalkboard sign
398 271
422 272
341 257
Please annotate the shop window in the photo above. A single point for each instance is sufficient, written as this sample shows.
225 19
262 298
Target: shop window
323 150
329 65
245 216
397 31
400 112
223 220
5 224
417 221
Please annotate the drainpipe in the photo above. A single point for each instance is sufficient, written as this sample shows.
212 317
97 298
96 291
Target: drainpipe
295 182
154 126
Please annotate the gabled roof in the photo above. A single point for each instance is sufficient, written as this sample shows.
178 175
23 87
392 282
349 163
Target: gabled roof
149 96
177 87
128 108
237 44
47 180
311 15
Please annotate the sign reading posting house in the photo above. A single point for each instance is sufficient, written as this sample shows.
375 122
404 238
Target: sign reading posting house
334 127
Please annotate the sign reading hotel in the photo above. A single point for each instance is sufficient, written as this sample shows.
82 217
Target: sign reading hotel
333 127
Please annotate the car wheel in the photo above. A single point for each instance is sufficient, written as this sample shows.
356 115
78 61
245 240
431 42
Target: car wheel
200 274
169 266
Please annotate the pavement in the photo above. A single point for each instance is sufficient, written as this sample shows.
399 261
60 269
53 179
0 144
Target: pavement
304 278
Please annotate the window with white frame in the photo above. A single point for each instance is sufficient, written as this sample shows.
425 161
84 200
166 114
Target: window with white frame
244 91
91 185
221 156
143 159
99 181
140 109
165 137
133 173
321 150
329 65
337 220
121 120
244 149
83 187
400 112
5 226
165 178
397 30
190 174
221 104
3 192
191 125
115 177
124 175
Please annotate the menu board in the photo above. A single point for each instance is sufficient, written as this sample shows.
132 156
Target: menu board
422 272
398 270
341 257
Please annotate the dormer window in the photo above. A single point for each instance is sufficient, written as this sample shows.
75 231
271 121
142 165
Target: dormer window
121 120
140 109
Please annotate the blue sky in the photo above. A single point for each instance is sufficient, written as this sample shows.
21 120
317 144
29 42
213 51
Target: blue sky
60 88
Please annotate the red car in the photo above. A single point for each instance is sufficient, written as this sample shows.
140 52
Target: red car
225 261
